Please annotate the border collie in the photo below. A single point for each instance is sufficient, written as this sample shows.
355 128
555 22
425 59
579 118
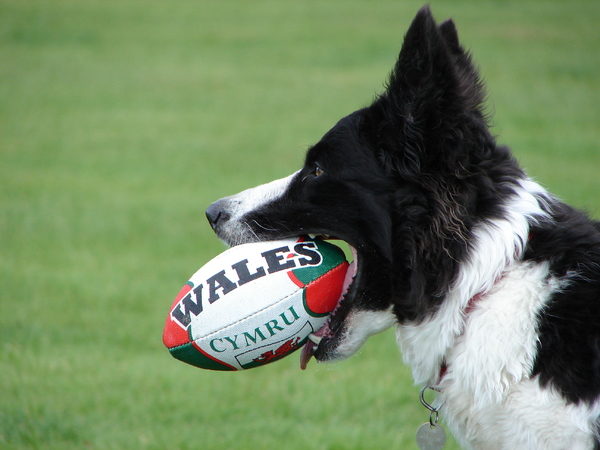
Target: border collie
492 282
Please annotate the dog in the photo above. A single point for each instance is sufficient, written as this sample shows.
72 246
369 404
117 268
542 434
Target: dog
492 282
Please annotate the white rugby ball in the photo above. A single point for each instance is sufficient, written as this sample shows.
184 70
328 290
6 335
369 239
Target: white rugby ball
255 303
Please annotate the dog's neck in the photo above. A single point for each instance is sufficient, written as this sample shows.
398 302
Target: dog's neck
497 245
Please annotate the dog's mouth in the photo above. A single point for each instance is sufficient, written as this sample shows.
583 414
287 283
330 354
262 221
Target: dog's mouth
327 331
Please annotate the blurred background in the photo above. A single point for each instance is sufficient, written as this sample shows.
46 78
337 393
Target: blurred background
122 120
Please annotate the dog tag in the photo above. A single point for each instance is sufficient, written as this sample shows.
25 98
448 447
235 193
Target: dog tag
431 438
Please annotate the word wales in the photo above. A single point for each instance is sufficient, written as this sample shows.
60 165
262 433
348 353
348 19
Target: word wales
221 284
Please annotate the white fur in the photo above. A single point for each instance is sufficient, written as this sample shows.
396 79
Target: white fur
250 200
498 346
360 325
489 364
527 417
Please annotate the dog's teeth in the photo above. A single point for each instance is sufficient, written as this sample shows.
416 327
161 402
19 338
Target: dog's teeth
314 338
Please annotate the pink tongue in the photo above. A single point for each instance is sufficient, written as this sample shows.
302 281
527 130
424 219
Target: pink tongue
307 351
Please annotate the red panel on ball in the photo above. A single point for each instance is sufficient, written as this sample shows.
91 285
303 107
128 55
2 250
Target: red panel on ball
322 295
173 334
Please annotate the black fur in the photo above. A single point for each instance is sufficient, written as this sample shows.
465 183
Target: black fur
569 328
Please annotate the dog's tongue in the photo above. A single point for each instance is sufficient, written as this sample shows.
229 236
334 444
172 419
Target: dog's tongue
311 345
307 352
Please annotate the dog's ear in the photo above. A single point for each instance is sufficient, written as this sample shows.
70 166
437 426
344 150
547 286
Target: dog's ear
425 69
431 88
471 89
424 62
448 31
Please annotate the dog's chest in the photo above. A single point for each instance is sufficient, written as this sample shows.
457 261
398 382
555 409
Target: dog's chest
486 345
480 359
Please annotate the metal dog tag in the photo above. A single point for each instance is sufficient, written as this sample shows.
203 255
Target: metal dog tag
431 437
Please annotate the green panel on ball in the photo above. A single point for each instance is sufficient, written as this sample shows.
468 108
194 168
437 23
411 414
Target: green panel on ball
332 255
191 354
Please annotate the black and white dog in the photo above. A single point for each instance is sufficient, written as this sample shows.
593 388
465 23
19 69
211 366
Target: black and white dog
492 282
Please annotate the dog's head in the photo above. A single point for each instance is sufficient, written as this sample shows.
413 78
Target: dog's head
393 181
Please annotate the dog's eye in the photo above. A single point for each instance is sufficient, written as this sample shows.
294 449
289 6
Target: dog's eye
315 173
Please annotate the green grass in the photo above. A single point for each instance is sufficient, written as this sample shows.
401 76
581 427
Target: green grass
120 121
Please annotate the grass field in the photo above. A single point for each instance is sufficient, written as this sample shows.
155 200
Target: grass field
120 121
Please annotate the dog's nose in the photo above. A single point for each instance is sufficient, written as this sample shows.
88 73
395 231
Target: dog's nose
216 213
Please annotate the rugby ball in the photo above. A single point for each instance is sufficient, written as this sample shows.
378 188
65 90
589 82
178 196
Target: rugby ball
255 303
